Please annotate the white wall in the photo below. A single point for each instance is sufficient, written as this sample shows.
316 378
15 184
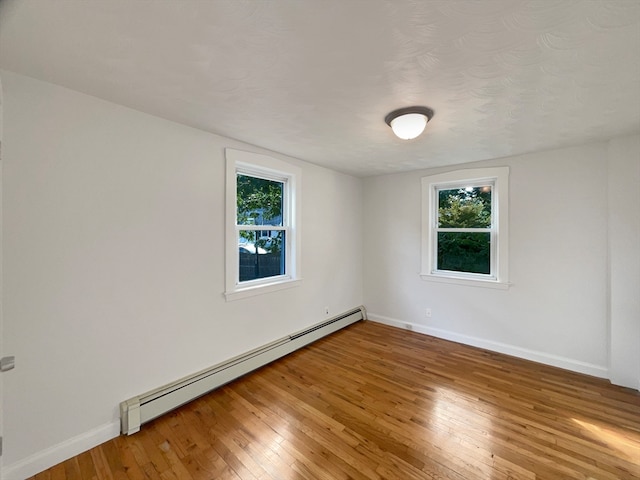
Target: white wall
2 353
114 267
624 259
556 311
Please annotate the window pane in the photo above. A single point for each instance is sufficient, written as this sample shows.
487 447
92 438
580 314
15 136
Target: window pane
260 256
465 207
259 201
464 252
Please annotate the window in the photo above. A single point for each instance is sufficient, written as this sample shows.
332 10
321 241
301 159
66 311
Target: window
262 234
260 202
464 233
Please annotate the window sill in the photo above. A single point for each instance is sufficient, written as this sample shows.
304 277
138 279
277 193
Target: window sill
245 292
466 281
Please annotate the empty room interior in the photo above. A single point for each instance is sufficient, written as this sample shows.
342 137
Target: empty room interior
320 239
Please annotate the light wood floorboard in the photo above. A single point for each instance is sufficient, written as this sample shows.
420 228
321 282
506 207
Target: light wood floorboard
376 402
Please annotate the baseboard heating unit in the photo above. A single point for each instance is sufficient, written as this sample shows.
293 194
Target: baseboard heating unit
144 408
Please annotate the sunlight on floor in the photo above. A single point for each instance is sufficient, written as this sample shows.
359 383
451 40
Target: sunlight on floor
628 448
451 408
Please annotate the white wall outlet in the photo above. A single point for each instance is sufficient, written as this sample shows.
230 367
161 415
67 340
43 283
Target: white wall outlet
326 310
427 313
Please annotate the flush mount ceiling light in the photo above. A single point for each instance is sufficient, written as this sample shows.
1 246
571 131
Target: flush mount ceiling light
409 122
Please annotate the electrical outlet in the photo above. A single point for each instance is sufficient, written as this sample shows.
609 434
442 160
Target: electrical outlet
428 313
326 310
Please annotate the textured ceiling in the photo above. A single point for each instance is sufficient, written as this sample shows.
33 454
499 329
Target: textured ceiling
314 79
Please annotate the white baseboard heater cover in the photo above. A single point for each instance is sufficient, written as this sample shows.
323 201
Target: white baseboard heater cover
144 408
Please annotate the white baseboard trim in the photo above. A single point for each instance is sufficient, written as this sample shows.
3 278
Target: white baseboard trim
51 456
533 355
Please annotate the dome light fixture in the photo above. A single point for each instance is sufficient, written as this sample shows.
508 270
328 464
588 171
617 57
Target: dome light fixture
409 122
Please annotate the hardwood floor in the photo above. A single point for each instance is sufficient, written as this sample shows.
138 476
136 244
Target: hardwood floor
375 402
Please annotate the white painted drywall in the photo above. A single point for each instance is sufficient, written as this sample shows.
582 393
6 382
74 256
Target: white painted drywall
556 308
114 267
624 258
2 353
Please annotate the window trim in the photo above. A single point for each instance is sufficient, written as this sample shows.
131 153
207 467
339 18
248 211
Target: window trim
498 177
263 166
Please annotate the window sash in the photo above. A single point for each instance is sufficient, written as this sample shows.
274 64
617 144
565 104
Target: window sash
435 229
261 227
285 227
263 262
253 173
465 230
492 254
287 255
256 172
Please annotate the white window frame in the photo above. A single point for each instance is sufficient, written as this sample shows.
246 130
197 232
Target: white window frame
262 166
498 178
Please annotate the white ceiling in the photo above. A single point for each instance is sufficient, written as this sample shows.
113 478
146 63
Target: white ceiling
314 79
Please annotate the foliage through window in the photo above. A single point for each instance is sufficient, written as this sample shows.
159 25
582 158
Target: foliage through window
261 252
464 229
465 235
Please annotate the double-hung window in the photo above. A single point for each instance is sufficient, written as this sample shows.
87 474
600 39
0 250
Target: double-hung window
262 231
262 225
465 234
